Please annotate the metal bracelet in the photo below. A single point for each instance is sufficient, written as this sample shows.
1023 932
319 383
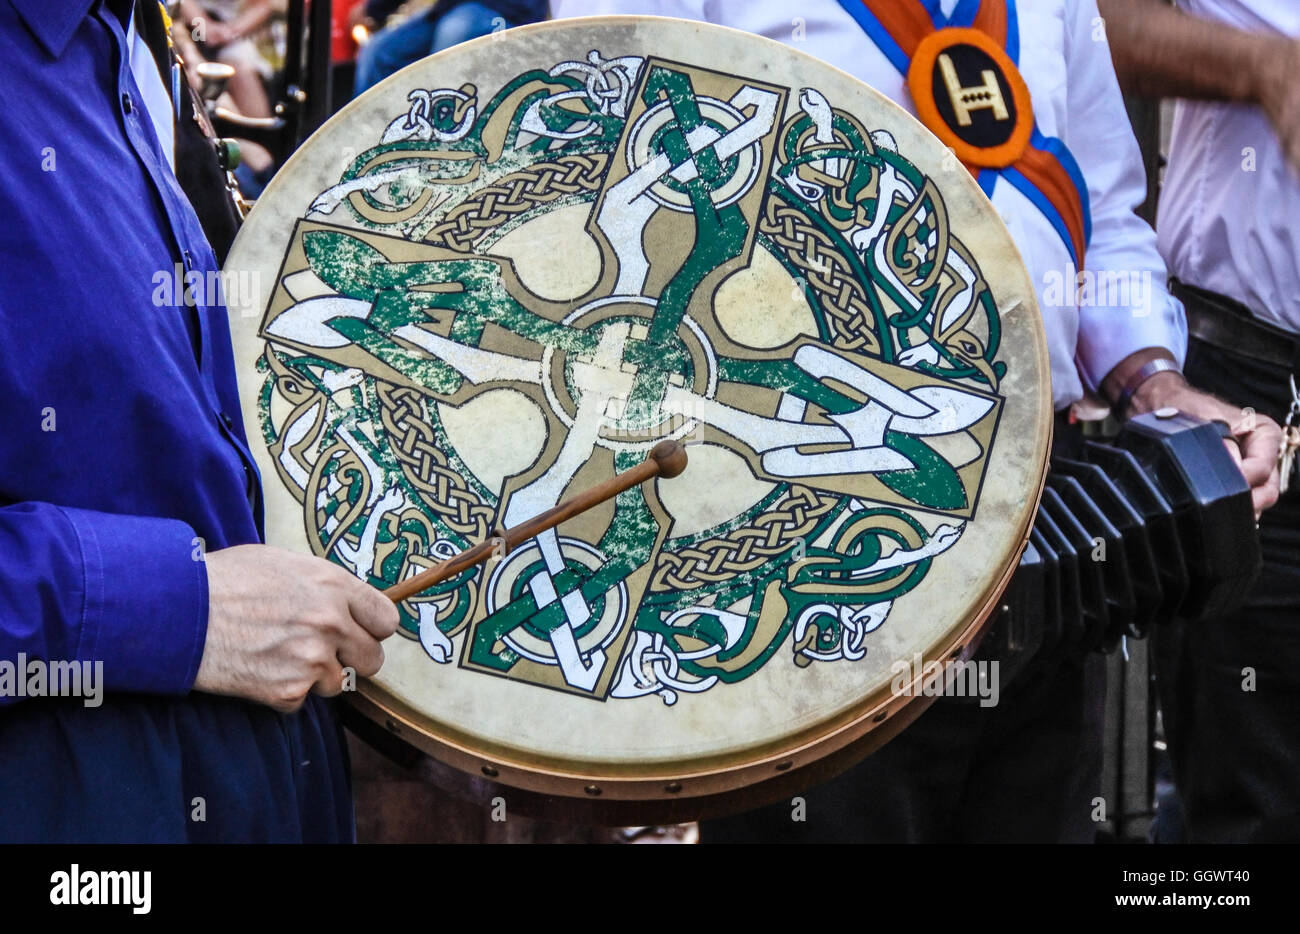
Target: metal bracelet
1144 373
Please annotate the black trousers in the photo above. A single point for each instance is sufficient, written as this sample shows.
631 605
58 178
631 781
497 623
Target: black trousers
1230 688
1026 770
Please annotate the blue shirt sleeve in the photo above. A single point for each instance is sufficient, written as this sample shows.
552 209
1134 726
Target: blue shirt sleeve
128 591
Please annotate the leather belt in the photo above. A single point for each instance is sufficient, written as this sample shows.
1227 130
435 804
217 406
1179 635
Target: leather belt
1229 325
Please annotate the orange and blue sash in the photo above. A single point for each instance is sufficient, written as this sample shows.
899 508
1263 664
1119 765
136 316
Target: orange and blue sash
967 89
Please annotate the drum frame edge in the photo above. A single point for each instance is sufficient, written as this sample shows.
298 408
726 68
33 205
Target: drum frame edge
613 797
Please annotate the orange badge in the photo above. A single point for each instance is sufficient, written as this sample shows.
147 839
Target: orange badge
969 93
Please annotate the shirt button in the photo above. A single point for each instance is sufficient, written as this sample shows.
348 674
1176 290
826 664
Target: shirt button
126 102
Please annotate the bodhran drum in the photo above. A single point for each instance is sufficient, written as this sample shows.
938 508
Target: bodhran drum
503 275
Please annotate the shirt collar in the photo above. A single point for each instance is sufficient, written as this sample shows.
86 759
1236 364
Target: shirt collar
52 22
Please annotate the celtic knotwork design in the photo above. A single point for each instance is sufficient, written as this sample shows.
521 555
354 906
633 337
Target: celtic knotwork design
608 83
413 442
770 535
828 274
418 307
875 210
518 193
446 116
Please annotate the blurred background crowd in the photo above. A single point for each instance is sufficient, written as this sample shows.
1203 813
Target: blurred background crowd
236 52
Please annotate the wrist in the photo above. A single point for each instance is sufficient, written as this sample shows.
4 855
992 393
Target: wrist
1273 70
1142 381
1156 392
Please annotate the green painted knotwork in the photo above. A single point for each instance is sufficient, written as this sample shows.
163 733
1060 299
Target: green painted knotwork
404 279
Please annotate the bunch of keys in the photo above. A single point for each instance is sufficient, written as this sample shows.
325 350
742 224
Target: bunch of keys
1290 440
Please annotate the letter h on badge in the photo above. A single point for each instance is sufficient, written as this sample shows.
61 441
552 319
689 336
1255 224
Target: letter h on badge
986 96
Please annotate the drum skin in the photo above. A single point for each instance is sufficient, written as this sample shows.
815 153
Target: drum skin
504 274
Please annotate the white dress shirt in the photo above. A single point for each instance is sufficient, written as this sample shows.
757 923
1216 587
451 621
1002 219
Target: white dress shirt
157 99
1227 213
1066 63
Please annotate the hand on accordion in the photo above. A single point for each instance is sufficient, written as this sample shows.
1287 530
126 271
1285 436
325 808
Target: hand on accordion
1255 438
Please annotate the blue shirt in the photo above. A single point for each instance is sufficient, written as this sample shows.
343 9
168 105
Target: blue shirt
123 458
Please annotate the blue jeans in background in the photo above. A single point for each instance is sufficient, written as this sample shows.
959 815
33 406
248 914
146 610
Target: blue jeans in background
392 49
